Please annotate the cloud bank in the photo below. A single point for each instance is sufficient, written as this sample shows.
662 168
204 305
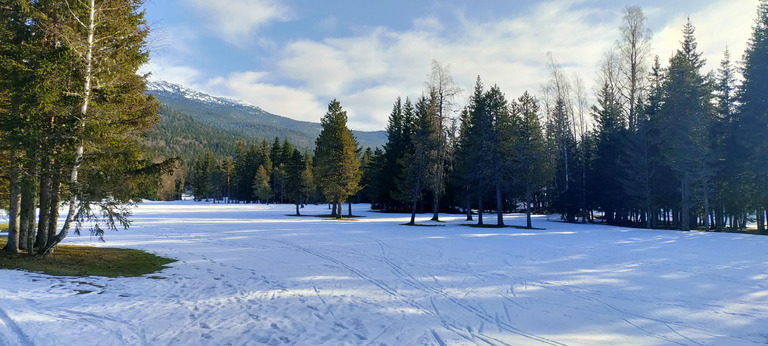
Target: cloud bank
368 70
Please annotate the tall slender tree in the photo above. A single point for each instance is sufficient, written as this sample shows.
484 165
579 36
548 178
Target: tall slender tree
337 165
530 164
753 110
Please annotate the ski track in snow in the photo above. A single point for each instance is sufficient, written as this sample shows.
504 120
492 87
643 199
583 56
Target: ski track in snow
249 275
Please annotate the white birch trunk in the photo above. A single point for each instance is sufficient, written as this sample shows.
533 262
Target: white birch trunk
80 148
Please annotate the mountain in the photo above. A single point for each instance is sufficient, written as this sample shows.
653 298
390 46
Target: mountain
194 114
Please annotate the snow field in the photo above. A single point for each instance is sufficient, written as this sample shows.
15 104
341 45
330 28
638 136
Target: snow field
250 275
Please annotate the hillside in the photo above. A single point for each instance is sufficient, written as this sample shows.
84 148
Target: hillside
191 119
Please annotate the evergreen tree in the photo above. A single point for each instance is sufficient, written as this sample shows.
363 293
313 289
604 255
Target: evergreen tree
685 125
530 164
108 43
607 173
496 146
463 177
418 162
388 169
260 187
753 111
366 181
337 166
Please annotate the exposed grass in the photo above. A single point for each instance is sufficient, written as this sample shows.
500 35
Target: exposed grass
421 225
68 260
343 218
497 226
4 227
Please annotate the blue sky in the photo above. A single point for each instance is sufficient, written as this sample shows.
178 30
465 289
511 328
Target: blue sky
292 57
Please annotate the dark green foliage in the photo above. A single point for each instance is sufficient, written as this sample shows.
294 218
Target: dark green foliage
606 174
337 167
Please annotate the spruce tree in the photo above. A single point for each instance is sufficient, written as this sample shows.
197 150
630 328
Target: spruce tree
607 173
753 111
261 188
337 165
685 124
418 163
530 162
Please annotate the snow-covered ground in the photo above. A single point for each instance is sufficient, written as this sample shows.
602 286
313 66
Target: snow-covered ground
248 275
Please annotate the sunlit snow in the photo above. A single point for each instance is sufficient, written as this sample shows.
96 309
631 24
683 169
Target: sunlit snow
249 274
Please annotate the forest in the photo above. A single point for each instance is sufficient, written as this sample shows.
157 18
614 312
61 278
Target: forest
664 144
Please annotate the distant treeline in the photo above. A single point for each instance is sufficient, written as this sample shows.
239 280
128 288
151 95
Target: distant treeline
663 146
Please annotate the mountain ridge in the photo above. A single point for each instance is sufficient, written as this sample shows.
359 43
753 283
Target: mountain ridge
242 118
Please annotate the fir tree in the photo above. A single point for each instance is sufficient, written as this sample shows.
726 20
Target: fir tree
685 125
753 111
337 166
530 165
261 188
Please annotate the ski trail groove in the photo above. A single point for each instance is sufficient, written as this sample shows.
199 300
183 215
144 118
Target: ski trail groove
23 340
407 278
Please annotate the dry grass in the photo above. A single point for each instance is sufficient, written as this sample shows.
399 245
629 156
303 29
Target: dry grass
69 260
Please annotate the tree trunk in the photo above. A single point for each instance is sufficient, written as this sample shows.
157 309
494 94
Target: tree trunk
45 203
706 210
349 206
28 211
436 207
53 213
339 214
28 208
333 212
528 207
480 211
499 207
297 208
88 75
685 206
14 221
468 208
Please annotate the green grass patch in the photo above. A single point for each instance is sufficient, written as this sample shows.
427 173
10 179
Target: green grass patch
4 227
497 226
69 260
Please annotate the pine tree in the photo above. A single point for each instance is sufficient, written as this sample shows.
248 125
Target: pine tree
108 42
260 187
685 124
753 111
337 165
607 172
496 146
394 150
419 162
530 162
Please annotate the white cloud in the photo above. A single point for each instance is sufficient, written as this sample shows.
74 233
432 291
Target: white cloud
235 20
167 71
366 72
719 24
277 99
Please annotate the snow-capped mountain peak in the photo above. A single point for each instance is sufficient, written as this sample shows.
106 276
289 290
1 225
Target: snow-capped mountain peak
182 91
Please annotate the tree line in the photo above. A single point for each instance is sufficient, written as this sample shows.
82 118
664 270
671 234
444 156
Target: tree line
280 173
662 146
